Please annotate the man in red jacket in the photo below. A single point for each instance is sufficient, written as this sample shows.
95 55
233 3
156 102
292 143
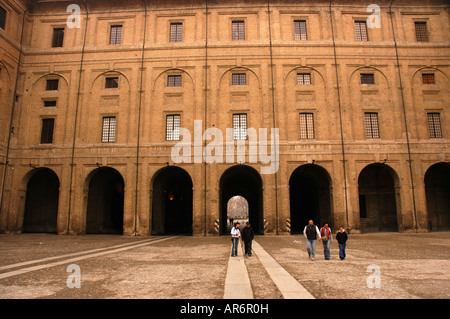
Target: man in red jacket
325 233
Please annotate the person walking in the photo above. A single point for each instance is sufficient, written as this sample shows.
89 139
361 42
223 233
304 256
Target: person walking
311 233
325 233
247 237
235 235
341 238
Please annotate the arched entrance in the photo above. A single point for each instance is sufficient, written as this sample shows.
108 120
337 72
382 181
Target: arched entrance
41 203
437 189
310 197
377 198
172 202
105 202
244 181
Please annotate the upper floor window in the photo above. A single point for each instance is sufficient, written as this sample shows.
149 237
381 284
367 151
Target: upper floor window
47 131
174 80
371 123
239 79
173 123
306 125
176 32
2 18
367 78
116 34
109 129
112 83
238 30
428 78
52 85
58 37
240 126
434 125
303 78
421 31
361 31
300 30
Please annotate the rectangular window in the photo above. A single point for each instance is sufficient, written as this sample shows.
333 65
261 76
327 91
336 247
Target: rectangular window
176 32
109 129
434 125
49 103
306 126
112 83
239 79
173 123
300 30
47 131
367 78
371 122
174 80
2 18
421 31
428 79
240 126
116 35
303 78
238 30
361 31
58 37
52 85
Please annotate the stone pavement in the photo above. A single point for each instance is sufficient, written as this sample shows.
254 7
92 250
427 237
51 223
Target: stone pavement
379 265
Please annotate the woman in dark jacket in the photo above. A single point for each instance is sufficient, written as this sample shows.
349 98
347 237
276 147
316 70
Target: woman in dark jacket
342 237
247 237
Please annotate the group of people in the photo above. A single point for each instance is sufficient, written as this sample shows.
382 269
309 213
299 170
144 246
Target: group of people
311 232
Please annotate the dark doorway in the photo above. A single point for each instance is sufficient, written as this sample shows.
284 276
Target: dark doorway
172 202
105 202
377 199
310 197
437 188
244 181
41 204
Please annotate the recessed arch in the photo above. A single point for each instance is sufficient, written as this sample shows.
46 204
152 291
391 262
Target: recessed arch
437 190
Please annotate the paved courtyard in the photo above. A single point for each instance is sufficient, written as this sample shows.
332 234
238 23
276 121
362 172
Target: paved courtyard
379 265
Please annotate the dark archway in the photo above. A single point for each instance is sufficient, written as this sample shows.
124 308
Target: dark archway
377 198
244 181
105 202
310 197
41 204
172 202
437 189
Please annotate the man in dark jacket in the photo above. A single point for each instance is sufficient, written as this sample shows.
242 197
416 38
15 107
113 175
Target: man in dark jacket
247 237
341 237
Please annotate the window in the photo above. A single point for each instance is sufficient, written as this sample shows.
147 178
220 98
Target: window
240 126
306 125
176 32
361 31
47 131
303 78
112 83
49 103
52 85
300 30
58 37
238 30
434 125
428 79
173 123
116 35
239 79
367 78
174 80
2 18
109 129
371 122
421 31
